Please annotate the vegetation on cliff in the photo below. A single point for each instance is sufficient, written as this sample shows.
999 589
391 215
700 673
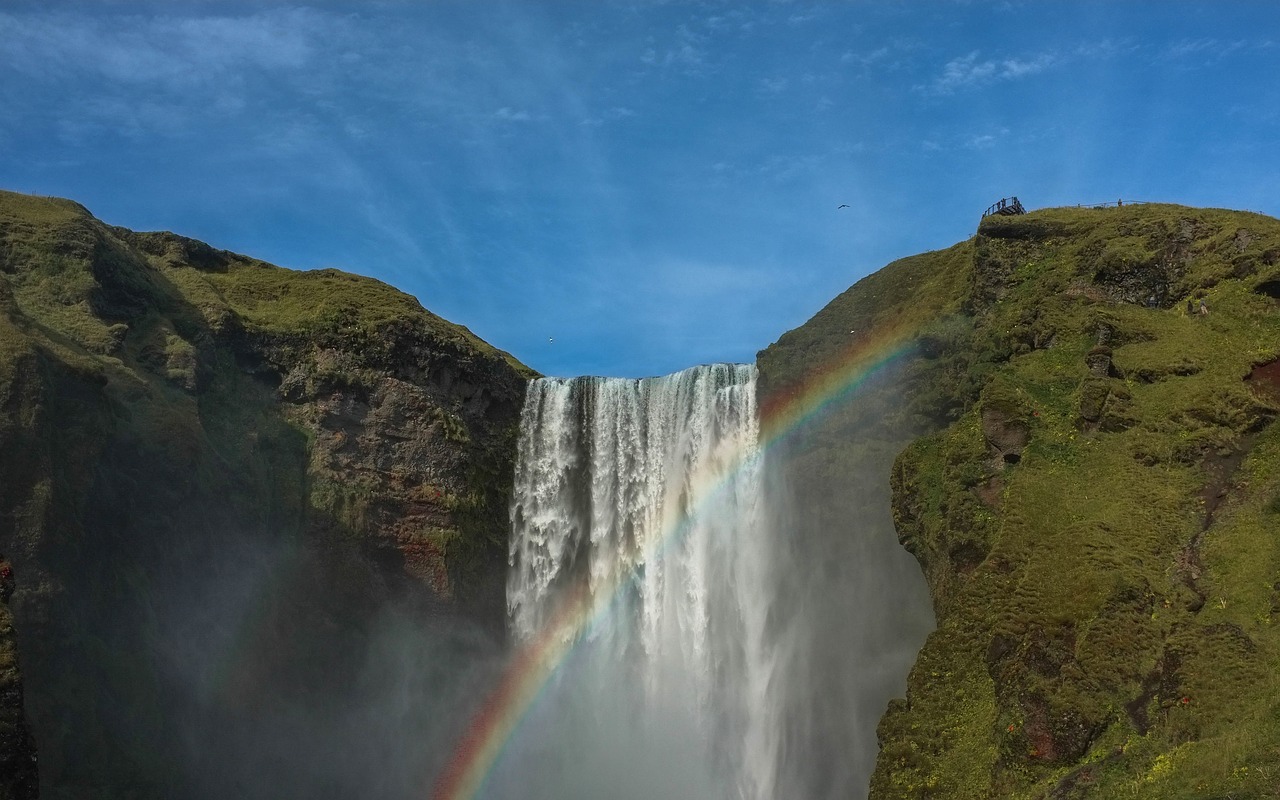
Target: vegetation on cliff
173 418
1083 462
1095 508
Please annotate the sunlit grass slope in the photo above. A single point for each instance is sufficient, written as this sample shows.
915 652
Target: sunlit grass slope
1096 511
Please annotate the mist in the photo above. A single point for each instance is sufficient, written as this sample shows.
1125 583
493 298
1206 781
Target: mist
283 678
853 608
756 616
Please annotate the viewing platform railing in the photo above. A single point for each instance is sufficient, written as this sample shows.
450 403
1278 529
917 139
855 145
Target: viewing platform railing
1010 206
1007 207
1115 204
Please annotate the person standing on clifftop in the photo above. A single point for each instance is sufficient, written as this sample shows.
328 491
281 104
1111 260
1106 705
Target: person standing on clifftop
1191 306
1204 309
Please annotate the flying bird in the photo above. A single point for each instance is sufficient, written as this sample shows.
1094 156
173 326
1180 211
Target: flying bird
842 205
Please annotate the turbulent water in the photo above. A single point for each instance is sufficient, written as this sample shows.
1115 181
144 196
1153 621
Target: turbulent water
649 492
724 662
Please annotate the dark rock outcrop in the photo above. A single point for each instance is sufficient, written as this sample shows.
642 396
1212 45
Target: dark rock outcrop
19 778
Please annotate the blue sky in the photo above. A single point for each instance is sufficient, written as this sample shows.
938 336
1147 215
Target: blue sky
650 184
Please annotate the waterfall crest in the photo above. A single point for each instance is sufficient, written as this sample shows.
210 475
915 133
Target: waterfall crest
648 494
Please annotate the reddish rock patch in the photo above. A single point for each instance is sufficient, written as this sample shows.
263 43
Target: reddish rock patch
991 492
1265 378
426 562
1006 435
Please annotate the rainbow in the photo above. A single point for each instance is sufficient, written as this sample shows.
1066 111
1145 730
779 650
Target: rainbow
531 670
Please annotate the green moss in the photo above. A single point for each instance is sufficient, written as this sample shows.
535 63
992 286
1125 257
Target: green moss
161 400
905 296
1095 638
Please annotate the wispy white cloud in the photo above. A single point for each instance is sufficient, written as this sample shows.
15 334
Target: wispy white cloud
964 71
981 142
1211 49
951 142
163 50
970 70
1189 47
686 51
865 59
508 114
1105 48
774 85
742 19
1017 68
136 76
893 55
613 114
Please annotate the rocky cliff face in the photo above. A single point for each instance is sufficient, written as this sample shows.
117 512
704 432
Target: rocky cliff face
1094 510
19 777
179 424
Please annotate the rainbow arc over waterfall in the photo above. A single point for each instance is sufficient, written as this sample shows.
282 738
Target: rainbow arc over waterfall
581 609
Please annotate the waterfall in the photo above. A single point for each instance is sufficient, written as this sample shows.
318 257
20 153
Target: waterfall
648 495
751 615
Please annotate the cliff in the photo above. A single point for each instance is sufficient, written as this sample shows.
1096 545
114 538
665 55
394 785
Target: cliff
1093 501
179 424
216 475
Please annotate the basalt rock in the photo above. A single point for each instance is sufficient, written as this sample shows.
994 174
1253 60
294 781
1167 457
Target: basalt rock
19 779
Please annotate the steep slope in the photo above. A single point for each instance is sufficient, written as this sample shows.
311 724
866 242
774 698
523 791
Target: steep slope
856 609
1095 509
179 424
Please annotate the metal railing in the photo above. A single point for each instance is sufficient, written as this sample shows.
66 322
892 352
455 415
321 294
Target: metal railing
1006 206
1117 204
1010 206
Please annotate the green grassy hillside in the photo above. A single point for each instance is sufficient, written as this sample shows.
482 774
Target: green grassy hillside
175 419
1095 510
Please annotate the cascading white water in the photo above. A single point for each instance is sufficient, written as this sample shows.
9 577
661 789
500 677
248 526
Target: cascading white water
649 494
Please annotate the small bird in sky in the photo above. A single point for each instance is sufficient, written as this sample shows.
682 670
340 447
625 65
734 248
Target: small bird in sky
842 205
550 339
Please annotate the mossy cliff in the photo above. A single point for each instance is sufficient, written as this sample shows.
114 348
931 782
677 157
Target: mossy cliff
172 416
853 601
1095 508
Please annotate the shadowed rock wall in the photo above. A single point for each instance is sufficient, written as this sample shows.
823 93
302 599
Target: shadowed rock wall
207 458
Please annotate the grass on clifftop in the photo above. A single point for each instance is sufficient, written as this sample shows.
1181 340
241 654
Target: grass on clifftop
908 295
1108 592
279 301
48 246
